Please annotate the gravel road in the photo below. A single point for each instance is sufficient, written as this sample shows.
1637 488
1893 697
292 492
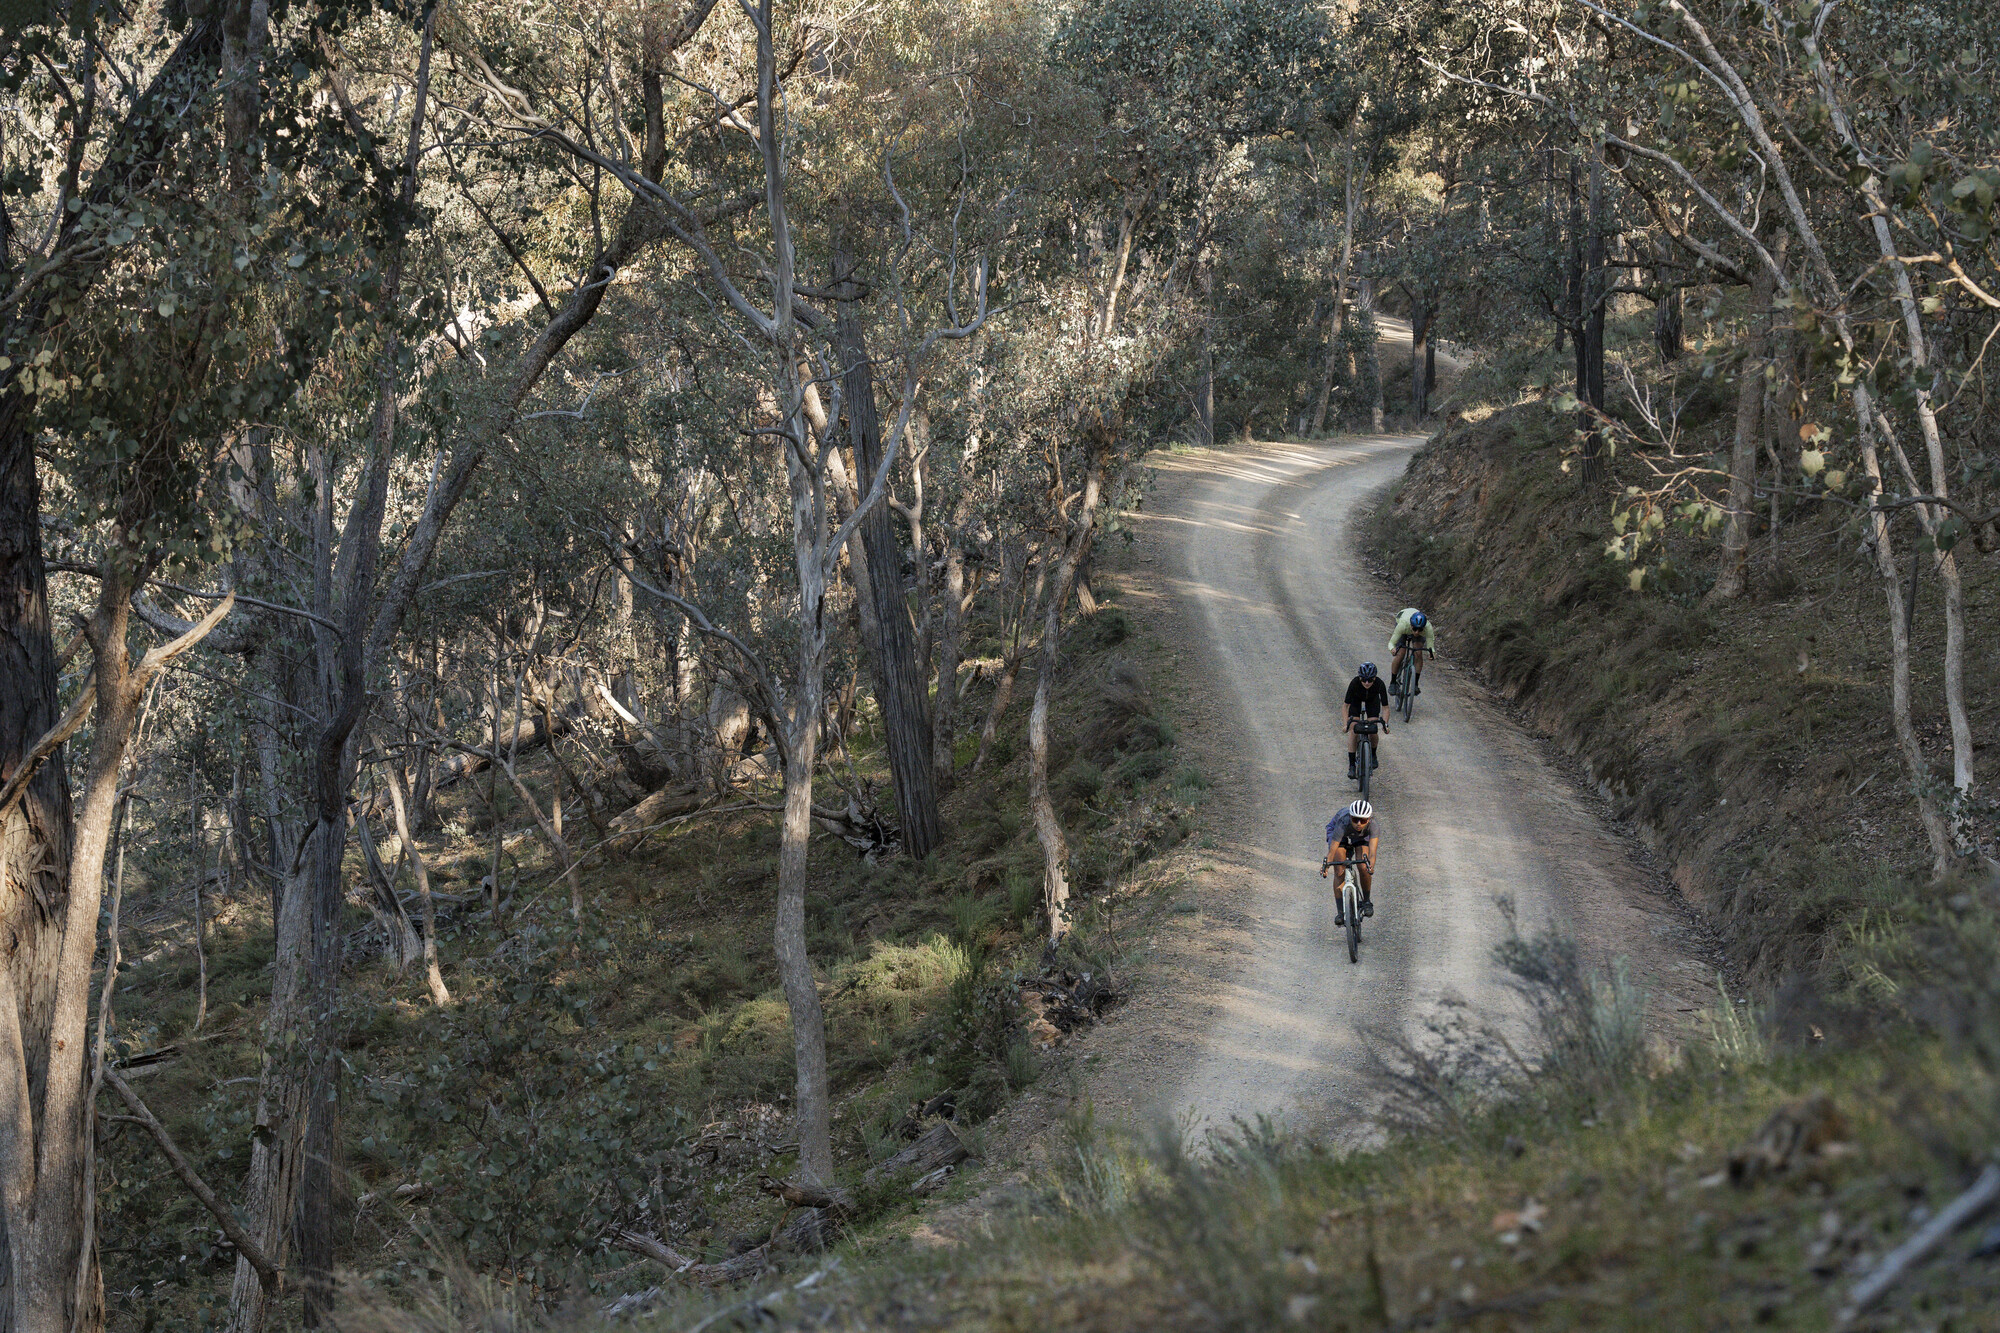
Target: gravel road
1246 576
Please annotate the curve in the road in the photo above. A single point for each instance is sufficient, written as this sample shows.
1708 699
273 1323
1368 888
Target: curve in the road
1254 555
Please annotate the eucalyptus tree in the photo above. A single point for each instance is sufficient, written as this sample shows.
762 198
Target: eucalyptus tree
1769 123
129 362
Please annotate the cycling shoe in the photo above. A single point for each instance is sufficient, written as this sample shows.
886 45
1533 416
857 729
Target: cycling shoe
1367 908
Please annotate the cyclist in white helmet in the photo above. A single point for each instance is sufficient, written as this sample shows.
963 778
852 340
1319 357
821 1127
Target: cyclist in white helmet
1352 833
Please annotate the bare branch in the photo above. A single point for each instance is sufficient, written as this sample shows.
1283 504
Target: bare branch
267 1271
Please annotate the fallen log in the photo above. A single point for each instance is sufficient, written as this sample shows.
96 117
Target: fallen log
939 1146
802 1229
664 804
1985 1192
943 1106
736 1268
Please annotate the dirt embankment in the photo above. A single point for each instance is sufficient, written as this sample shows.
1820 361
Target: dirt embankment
1749 741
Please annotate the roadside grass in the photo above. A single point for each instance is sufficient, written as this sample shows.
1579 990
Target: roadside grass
570 1082
1590 1189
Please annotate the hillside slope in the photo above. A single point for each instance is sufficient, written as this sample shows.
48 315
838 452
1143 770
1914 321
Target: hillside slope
1750 740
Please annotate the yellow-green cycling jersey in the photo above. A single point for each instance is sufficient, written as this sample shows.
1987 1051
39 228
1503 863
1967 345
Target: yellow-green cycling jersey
1403 631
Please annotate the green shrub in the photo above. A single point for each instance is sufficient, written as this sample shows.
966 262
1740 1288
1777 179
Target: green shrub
1142 767
1083 780
1024 895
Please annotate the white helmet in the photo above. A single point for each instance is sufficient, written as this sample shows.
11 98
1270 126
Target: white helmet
1361 810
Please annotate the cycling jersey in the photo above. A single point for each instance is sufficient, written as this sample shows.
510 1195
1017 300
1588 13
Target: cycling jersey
1403 631
1366 697
1340 831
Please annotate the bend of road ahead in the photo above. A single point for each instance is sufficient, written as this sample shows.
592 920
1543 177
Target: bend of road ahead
1246 570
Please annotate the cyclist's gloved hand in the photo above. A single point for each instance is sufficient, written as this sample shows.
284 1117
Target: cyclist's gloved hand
1323 865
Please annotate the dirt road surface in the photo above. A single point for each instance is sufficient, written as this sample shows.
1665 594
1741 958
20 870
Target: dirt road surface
1255 607
1246 569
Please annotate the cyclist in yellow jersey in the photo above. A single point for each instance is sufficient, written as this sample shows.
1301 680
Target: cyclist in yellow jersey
1411 625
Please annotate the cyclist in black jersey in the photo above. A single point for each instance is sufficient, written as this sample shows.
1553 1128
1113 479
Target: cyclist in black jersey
1366 696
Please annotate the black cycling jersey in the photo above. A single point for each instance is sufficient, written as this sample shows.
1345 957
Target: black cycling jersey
1366 697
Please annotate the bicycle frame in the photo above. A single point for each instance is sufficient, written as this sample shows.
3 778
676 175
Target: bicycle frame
1350 903
1364 752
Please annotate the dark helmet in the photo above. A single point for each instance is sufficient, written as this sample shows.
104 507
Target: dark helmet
1418 620
1367 671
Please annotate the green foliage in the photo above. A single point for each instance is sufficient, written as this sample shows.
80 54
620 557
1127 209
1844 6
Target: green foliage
535 1127
1083 780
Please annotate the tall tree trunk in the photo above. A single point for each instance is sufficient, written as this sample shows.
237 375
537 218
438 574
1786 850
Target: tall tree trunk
1936 825
1129 218
847 498
1732 574
1945 560
1590 346
1204 386
1421 359
1878 213
1668 322
46 1131
905 701
957 598
35 832
1573 282
1048 828
1366 298
956 601
433 977
1338 324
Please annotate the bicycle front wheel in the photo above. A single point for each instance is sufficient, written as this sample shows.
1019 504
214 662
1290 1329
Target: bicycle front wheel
1367 756
1409 700
1352 903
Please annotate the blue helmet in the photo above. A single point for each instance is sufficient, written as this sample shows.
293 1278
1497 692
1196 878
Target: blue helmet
1418 620
1367 671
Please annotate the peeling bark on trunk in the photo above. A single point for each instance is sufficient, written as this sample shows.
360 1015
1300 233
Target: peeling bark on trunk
906 720
52 1278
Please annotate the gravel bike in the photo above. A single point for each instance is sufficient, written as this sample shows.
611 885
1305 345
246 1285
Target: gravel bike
1403 686
1350 903
1364 752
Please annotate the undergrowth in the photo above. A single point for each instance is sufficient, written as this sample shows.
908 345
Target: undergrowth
1749 739
635 1068
1585 1185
